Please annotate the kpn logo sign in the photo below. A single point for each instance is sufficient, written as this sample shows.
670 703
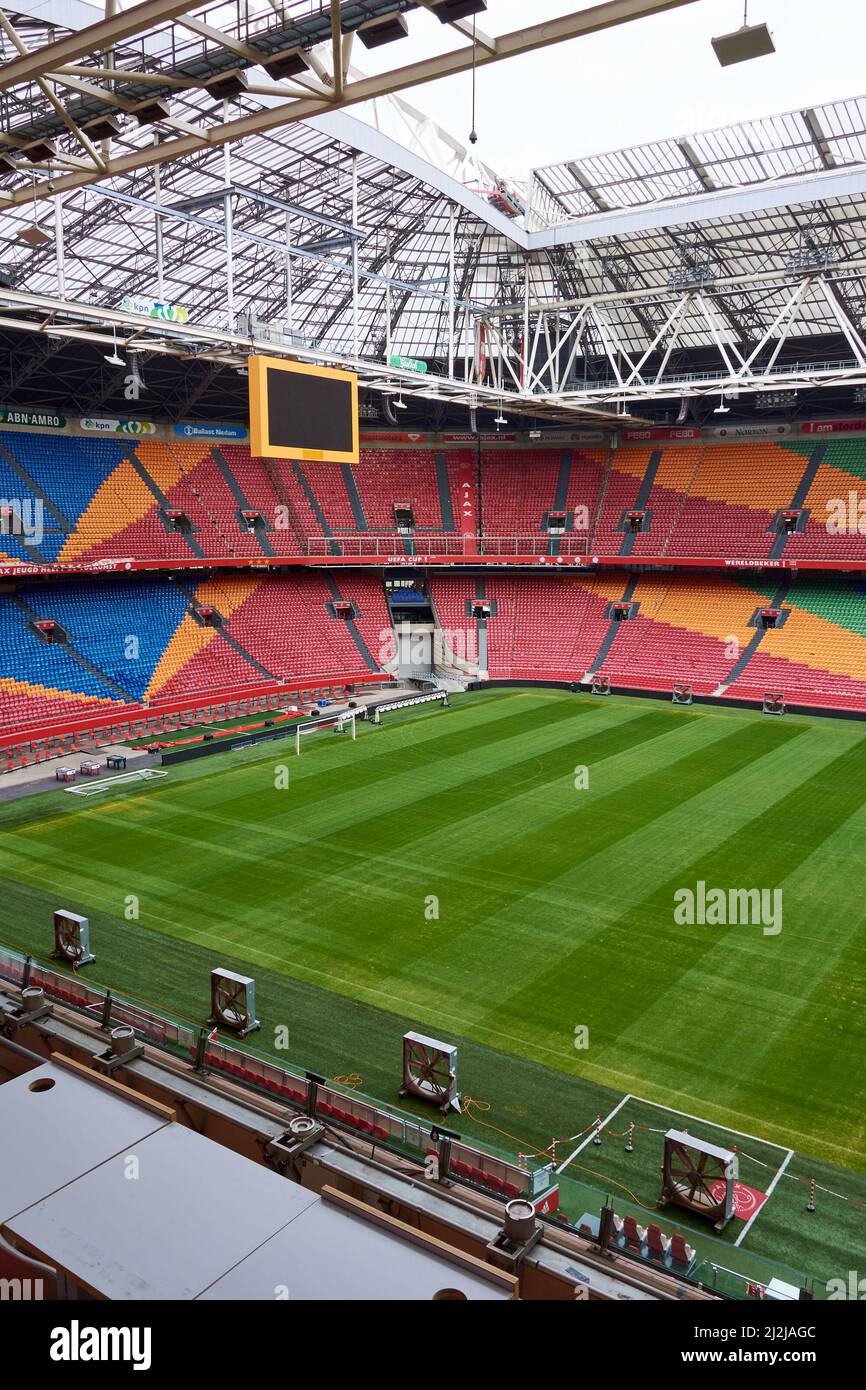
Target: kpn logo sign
154 309
100 426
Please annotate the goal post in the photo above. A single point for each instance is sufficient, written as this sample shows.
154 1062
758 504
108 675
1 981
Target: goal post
335 723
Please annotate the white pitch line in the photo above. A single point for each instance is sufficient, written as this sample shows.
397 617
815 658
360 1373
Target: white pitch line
588 1140
740 1133
753 1218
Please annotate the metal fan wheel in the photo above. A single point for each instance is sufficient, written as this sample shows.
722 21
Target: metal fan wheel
68 944
430 1071
232 1003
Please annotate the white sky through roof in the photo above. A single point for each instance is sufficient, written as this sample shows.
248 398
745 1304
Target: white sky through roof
642 81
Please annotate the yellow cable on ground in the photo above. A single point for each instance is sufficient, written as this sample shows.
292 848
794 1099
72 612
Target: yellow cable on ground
470 1102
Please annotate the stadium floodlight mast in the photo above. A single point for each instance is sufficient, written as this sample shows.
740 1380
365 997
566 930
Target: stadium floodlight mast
751 41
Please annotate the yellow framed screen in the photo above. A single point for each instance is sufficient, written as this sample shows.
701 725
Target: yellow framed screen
302 412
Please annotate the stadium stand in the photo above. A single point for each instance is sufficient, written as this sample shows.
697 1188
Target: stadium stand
142 638
696 629
101 500
516 491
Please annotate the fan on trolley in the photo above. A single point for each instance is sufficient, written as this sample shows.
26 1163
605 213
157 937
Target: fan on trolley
72 939
700 1177
233 1002
430 1071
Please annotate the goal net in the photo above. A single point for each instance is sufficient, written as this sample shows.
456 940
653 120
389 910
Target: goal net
331 724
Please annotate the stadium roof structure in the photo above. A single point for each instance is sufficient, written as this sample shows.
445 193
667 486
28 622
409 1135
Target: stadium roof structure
149 159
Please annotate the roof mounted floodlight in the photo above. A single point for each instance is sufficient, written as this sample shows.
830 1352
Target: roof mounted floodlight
104 127
34 236
752 41
812 260
150 111
721 408
228 86
40 151
692 274
291 62
382 29
447 11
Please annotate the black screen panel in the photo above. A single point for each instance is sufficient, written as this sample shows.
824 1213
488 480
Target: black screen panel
309 412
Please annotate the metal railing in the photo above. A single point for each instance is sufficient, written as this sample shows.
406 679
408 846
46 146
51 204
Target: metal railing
390 545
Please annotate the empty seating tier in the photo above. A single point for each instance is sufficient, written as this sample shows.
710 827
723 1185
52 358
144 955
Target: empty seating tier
68 499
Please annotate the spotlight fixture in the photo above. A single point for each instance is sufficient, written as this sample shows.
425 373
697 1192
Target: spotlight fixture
721 408
292 62
448 11
381 30
150 111
228 85
500 419
115 359
40 151
34 236
751 41
776 400
105 127
400 404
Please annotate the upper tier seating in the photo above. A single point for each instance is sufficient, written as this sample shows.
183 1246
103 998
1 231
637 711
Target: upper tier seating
103 500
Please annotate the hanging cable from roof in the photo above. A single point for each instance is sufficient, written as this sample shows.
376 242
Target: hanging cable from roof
473 134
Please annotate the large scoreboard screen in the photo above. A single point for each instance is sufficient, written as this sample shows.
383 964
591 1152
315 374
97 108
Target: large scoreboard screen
302 412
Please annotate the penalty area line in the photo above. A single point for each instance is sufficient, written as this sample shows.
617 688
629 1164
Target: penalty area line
755 1214
740 1133
588 1140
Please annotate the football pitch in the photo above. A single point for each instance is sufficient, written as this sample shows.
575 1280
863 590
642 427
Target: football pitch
514 875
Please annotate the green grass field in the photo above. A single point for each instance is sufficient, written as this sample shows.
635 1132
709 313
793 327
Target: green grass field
445 873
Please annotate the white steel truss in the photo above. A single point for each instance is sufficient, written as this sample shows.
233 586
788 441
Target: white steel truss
537 349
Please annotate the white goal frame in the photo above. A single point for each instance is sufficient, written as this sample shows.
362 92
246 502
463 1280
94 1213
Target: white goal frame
337 722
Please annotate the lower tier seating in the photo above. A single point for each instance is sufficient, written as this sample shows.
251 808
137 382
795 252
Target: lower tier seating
701 630
118 645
